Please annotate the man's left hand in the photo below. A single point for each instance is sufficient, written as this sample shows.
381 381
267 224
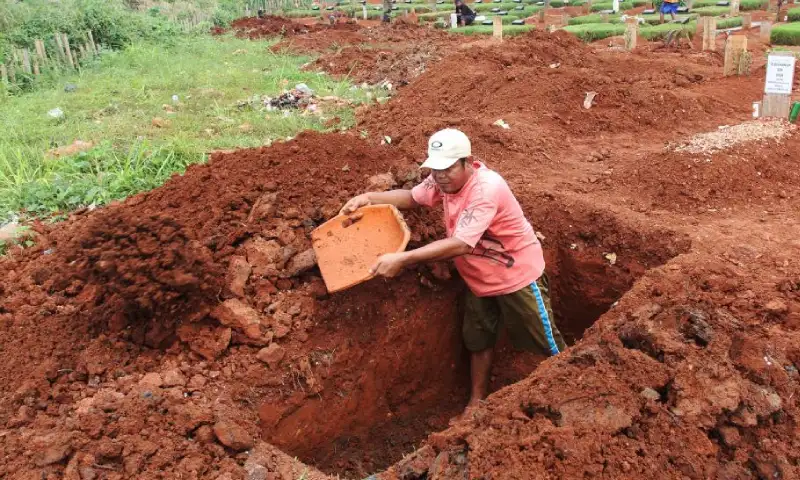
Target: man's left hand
389 265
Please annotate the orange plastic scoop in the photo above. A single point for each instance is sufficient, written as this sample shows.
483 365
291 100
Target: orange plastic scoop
347 246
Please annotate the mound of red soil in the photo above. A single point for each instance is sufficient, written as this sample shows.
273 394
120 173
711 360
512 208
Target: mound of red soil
538 83
271 25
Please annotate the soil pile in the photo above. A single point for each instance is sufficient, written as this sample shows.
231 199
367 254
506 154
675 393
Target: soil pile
396 53
216 267
272 25
538 85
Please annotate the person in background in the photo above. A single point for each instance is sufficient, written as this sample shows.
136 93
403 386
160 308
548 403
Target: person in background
669 6
464 14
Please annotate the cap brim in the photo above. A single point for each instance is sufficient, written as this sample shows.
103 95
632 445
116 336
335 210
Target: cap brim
438 163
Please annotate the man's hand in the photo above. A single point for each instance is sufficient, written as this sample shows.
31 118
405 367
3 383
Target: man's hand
389 265
355 203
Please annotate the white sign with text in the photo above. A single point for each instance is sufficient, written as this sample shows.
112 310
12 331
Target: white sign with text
780 74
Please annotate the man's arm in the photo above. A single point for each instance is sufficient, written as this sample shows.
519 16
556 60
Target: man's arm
391 264
401 199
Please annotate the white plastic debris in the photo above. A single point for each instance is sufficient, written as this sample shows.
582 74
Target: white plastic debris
611 257
502 124
589 100
56 113
303 88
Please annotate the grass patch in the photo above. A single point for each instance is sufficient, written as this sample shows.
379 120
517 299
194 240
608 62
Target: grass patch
597 7
786 34
593 18
114 106
595 31
598 31
743 5
730 22
794 14
652 19
656 32
509 30
712 11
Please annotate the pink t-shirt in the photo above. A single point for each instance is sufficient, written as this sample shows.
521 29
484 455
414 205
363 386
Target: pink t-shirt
485 215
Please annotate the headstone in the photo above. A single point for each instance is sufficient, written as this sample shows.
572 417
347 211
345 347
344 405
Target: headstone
709 33
497 31
747 21
631 33
615 6
453 20
734 8
766 31
736 56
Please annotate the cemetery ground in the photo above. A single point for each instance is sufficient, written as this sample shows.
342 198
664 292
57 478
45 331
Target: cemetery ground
185 331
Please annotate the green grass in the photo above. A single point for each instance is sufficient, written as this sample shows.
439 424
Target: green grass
794 14
509 30
786 34
597 31
597 7
712 11
730 22
115 104
659 31
743 5
652 19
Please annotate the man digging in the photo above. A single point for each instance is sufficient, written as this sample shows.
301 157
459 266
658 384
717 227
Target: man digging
493 246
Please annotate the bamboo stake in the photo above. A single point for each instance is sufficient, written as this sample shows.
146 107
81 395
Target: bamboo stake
26 61
12 75
60 44
70 58
3 73
92 46
36 67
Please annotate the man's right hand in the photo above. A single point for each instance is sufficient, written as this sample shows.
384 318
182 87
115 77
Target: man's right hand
355 203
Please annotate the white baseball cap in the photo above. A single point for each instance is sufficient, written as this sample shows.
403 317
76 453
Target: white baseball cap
445 148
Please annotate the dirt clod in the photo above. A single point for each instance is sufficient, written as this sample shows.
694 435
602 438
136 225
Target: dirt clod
232 435
272 355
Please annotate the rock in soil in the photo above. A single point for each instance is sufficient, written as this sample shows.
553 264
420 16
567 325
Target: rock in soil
272 355
233 436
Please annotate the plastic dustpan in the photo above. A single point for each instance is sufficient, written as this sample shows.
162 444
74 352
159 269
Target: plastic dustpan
347 246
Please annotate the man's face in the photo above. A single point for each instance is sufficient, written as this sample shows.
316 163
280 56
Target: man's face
453 179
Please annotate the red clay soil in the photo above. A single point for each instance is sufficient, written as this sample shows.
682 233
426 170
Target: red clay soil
271 25
184 332
397 53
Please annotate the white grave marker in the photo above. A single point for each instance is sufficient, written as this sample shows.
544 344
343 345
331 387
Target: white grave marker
780 74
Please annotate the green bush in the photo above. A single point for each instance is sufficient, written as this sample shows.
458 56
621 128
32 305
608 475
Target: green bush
794 14
786 34
111 23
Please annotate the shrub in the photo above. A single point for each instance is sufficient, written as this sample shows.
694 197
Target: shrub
794 14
